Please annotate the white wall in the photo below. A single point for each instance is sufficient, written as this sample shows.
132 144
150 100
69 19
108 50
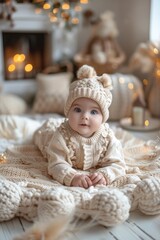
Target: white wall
132 18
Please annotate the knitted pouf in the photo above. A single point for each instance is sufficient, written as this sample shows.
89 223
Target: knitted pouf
10 198
109 208
147 196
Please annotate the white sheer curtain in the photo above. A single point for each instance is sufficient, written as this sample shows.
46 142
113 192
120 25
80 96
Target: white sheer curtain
155 22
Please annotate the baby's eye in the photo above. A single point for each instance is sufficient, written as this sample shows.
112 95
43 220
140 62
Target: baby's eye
77 109
94 112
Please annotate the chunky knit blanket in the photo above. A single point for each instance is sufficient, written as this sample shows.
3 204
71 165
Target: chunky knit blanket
26 189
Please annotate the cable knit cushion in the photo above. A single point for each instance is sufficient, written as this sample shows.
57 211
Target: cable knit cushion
126 90
12 104
52 92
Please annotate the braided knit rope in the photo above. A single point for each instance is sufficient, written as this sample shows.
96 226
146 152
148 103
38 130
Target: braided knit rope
147 196
107 206
55 202
10 198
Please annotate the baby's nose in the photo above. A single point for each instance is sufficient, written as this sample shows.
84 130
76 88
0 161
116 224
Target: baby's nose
85 115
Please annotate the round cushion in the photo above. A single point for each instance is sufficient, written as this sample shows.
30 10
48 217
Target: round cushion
12 104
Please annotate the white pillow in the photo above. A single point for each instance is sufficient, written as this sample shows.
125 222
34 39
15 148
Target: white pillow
52 92
12 104
17 127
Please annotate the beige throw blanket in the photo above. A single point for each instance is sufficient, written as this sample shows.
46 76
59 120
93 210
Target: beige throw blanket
26 189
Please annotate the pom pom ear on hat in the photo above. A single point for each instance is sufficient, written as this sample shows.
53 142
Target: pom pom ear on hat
93 87
106 81
86 71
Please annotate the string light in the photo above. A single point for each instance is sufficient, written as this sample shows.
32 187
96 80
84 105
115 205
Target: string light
66 13
84 1
3 158
130 86
145 82
121 80
146 123
28 67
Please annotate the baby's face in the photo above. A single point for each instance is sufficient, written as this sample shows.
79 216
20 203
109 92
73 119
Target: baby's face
85 117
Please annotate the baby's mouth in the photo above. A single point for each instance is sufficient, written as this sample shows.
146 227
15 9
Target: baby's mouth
83 125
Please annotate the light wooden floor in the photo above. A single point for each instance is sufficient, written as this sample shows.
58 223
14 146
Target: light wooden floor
137 227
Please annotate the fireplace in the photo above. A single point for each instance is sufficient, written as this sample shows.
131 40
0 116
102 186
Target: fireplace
24 54
26 48
30 45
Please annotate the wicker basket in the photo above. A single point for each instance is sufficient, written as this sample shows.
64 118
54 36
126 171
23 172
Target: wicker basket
108 67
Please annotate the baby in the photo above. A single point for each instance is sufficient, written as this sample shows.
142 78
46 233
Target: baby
83 150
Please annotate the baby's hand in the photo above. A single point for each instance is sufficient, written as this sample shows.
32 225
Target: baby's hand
81 180
97 178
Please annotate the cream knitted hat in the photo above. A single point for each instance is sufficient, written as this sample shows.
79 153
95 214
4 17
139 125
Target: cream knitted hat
91 86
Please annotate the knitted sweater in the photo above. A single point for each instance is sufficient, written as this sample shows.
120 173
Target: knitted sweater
69 153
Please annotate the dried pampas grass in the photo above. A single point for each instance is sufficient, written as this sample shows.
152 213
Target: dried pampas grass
53 229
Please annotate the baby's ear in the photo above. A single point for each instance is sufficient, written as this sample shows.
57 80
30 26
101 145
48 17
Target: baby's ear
106 81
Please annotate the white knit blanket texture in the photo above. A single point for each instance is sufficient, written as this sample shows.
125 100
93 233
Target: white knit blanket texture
26 189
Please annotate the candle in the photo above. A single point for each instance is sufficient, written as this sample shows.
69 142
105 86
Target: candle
138 116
